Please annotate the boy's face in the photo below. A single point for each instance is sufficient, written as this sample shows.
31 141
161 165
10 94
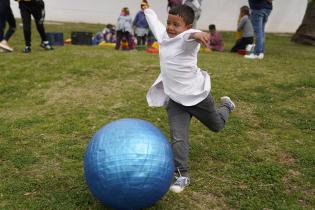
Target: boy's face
176 25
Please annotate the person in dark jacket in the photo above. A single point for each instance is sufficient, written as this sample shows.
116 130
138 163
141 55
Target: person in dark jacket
35 8
260 11
141 25
6 16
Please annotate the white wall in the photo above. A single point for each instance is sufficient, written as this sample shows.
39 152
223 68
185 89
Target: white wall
285 17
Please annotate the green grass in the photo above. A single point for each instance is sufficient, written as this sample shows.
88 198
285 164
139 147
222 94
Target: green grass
51 103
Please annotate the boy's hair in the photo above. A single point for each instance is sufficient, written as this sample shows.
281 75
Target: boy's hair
211 27
185 12
245 10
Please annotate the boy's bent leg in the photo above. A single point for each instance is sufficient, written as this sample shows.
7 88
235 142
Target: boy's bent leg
207 114
179 121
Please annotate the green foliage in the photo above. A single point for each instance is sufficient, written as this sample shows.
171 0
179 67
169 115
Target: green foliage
51 103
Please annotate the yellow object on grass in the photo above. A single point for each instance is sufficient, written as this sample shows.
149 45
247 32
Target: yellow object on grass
155 45
106 44
204 50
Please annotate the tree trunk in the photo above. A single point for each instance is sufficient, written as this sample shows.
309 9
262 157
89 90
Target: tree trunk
305 34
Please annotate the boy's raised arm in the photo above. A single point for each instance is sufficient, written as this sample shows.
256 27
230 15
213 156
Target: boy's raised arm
157 28
201 37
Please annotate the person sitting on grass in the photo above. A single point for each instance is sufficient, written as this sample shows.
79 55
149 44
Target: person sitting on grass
6 15
182 86
244 26
215 39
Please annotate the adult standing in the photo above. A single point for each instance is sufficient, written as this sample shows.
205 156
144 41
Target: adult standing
141 25
35 8
196 6
260 11
173 3
6 16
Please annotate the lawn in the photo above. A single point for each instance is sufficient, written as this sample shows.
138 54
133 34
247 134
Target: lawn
51 104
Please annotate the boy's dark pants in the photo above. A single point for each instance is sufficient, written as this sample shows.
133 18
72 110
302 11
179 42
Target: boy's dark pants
37 9
179 121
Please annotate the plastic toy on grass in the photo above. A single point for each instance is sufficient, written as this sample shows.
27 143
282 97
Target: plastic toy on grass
128 164
107 44
205 50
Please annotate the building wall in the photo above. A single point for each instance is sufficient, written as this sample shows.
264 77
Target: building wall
286 16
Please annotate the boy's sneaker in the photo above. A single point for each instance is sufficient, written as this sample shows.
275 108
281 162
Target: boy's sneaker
225 100
5 46
27 49
46 45
180 184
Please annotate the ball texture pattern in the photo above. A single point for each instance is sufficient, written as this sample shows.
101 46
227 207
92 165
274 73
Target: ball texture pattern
128 164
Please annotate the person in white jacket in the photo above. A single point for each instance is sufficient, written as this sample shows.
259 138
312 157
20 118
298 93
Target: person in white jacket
124 29
183 87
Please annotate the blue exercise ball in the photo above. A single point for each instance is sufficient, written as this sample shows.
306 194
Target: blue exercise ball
128 164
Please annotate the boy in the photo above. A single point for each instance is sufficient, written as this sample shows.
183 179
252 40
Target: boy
183 87
35 8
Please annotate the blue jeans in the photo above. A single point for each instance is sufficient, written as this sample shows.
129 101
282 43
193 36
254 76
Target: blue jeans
259 19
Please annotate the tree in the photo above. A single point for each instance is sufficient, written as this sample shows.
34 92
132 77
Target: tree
305 34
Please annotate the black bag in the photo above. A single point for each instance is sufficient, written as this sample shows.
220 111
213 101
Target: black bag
55 38
81 38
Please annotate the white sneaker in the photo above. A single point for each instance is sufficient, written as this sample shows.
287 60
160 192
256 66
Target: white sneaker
5 46
261 56
251 56
225 100
180 184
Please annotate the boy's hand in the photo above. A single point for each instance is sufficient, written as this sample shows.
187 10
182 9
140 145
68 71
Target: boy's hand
201 37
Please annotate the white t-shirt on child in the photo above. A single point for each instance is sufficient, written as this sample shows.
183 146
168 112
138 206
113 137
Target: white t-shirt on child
180 78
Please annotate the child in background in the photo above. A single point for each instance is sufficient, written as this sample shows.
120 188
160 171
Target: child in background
6 15
141 25
215 39
244 26
109 33
124 29
183 87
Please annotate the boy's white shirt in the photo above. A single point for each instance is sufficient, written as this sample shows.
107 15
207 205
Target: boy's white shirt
180 78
